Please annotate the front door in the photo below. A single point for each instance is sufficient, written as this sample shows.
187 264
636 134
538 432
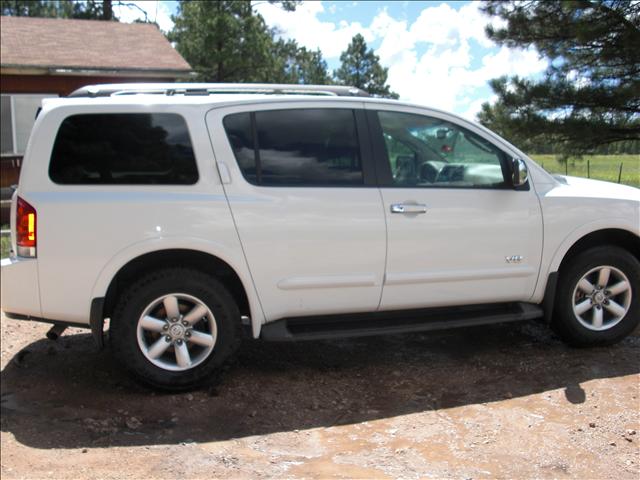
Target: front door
458 234
300 185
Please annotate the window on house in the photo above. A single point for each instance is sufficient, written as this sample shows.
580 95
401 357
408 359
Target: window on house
18 114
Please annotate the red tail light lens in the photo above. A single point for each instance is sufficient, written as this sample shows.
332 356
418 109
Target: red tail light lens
26 239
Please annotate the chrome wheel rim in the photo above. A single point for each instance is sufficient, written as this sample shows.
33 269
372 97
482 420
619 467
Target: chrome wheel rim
177 332
602 298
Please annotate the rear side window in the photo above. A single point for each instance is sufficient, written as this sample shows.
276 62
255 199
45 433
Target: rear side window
123 149
300 147
240 135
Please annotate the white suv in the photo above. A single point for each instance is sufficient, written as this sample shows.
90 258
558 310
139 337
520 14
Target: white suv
182 213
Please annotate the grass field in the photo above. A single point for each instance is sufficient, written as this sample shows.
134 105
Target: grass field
4 246
5 242
599 167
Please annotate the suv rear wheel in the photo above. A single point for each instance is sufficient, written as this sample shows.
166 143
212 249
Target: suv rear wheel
174 327
597 299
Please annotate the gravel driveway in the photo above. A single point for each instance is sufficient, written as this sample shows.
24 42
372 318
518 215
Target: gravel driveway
499 401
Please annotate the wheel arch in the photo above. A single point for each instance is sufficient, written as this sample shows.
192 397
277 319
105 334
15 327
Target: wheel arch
128 266
609 236
579 242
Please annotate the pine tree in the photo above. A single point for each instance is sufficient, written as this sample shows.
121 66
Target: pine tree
361 68
88 9
223 41
295 64
590 94
227 41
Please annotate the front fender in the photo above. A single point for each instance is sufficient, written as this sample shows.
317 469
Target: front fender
555 257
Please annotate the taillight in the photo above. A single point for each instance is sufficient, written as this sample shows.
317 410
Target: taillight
26 239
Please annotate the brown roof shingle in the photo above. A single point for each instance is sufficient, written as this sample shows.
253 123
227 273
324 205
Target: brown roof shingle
86 44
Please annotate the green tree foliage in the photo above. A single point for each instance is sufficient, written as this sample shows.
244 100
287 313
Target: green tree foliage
589 96
35 8
227 41
223 41
295 64
88 10
361 68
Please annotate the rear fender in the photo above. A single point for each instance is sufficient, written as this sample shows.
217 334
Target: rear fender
233 259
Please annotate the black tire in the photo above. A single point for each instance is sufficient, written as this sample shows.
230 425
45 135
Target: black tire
565 321
123 333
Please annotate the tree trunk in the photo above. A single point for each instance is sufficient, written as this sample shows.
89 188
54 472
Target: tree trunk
107 10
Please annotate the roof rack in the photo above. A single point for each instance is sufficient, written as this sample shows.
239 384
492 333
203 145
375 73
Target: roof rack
118 89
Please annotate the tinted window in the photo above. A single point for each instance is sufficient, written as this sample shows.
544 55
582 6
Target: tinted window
133 149
238 128
309 147
428 152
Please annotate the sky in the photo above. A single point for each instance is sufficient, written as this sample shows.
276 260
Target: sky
437 52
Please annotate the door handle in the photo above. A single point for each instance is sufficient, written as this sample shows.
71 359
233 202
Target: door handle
408 208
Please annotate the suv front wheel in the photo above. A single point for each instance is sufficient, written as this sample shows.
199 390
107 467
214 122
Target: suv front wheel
172 328
597 298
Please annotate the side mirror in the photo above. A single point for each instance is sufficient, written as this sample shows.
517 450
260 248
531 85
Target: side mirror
519 173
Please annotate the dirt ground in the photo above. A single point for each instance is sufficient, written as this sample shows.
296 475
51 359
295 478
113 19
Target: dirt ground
502 401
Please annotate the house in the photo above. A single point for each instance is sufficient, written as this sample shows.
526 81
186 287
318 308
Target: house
48 57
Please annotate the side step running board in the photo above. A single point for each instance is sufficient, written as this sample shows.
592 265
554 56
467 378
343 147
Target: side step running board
383 323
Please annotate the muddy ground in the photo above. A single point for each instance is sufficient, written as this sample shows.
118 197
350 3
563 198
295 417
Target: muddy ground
502 401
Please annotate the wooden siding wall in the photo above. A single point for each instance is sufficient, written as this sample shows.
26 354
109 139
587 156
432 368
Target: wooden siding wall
60 84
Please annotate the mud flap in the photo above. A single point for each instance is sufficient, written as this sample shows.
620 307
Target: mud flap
96 320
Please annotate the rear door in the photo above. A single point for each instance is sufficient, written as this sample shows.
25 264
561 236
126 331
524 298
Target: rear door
300 183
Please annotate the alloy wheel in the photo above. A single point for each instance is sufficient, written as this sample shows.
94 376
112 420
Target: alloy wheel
602 298
177 332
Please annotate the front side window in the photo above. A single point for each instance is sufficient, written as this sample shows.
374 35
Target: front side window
428 152
298 147
123 148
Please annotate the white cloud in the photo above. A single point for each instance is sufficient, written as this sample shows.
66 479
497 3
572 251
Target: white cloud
157 11
163 17
436 25
308 30
442 58
443 76
396 39
511 62
473 107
